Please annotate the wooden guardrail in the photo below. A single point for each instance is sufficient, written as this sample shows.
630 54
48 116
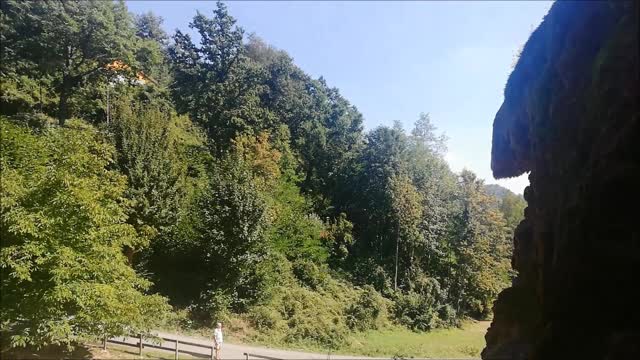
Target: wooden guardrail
140 344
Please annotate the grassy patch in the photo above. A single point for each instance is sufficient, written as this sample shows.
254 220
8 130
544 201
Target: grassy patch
89 351
466 342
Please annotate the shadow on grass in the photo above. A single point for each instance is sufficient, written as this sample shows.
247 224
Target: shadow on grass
49 352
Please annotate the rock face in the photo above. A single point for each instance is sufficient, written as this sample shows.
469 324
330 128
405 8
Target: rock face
571 118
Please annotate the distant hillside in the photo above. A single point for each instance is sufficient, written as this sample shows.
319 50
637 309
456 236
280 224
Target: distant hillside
499 191
511 205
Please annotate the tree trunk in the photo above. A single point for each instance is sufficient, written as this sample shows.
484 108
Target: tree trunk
63 104
395 278
129 252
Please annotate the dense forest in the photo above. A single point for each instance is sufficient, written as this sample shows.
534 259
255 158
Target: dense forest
146 174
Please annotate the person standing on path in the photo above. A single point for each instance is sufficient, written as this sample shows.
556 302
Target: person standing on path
217 339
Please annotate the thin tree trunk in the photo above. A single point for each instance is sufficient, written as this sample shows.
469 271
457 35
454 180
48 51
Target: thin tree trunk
63 104
395 278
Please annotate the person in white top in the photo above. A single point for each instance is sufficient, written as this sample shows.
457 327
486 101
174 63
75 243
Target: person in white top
217 339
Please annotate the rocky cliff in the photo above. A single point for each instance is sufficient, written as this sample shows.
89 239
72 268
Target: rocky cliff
570 117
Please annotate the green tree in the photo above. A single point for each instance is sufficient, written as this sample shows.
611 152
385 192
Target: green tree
215 83
231 232
482 249
69 43
152 55
339 238
64 276
407 210
147 154
149 27
512 207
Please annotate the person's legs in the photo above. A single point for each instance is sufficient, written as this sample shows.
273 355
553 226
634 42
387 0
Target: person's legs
218 352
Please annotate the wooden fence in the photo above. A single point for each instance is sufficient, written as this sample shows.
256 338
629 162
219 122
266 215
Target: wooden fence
140 344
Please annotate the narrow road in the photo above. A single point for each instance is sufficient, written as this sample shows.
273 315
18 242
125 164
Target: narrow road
236 351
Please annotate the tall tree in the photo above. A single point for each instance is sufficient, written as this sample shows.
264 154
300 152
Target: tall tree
63 227
147 154
215 83
71 42
407 210
482 249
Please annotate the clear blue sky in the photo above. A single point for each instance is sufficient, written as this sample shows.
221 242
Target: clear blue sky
393 60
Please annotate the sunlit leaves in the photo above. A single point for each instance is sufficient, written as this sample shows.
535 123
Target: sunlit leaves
64 276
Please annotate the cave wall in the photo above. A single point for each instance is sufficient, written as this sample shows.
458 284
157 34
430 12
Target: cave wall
571 118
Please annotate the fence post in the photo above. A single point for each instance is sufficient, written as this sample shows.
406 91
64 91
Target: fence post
104 343
246 355
211 352
177 344
140 348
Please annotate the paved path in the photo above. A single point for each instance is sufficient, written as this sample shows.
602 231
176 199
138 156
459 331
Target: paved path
236 351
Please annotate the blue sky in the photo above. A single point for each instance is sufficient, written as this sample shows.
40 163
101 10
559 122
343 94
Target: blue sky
393 60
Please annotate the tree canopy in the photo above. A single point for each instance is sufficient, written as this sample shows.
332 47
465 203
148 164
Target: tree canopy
143 171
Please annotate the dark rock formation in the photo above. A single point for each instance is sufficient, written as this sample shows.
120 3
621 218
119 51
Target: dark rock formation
571 117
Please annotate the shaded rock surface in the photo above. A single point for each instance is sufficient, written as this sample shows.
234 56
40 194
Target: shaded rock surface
570 117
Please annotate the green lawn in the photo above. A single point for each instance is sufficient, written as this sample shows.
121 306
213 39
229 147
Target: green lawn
445 343
465 342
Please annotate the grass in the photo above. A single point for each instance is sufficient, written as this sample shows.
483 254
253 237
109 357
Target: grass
90 351
399 342
466 342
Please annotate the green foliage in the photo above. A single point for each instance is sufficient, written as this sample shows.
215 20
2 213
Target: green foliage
512 207
68 42
231 232
368 312
300 315
214 83
424 308
367 271
338 238
294 230
309 274
483 246
64 276
263 197
147 155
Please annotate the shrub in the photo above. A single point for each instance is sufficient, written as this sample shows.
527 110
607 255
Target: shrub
424 308
299 315
368 312
448 316
213 306
416 312
310 274
266 318
368 272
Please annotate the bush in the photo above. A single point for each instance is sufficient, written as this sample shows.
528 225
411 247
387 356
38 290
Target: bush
213 306
416 312
313 318
299 315
310 274
368 312
424 307
368 272
266 318
36 121
448 316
